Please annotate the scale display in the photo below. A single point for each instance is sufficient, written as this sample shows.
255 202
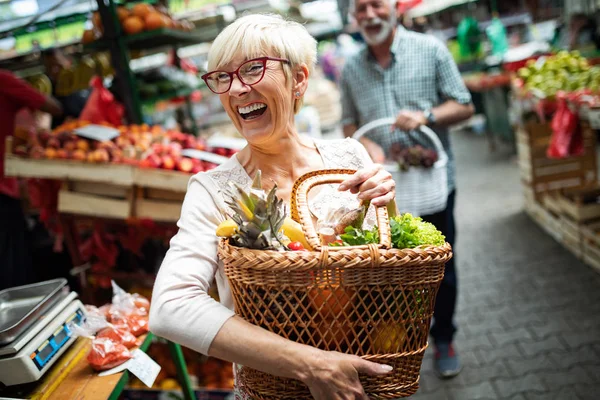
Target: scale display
45 352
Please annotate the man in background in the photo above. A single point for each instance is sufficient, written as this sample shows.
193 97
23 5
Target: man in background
54 61
413 78
15 256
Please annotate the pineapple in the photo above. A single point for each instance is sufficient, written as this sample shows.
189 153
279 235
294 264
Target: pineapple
259 216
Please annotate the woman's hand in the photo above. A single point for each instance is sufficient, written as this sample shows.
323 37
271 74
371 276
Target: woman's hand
372 183
335 376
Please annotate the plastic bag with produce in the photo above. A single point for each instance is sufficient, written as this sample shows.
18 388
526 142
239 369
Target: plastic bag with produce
101 105
118 335
567 139
106 354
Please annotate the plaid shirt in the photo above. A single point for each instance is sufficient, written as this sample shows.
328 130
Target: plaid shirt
422 75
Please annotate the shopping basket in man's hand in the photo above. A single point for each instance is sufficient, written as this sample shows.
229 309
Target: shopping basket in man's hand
419 191
372 300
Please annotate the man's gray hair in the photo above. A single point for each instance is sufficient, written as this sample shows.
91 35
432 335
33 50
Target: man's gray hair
352 5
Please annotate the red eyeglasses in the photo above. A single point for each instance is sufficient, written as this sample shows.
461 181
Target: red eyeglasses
249 73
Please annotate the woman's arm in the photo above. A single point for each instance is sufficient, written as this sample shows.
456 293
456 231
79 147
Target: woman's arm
329 375
182 310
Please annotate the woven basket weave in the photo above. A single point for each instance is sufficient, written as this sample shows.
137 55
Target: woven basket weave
372 301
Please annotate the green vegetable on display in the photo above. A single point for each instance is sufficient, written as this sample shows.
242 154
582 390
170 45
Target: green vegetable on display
566 71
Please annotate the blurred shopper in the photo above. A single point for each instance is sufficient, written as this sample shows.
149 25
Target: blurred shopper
15 258
55 61
411 77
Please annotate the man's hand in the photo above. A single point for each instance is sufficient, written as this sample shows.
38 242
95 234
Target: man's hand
375 151
409 120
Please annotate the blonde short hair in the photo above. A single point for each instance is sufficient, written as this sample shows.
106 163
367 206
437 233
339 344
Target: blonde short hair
259 35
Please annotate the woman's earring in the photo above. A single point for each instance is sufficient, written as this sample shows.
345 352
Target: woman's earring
297 94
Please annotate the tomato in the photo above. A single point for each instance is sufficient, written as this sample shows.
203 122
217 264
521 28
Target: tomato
295 246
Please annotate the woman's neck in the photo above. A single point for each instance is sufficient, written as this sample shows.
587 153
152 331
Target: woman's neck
283 160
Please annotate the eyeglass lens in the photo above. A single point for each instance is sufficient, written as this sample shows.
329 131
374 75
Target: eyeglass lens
250 73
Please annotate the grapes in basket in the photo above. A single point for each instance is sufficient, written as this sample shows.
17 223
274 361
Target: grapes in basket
413 156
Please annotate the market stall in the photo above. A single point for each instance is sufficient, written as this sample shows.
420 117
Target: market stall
556 143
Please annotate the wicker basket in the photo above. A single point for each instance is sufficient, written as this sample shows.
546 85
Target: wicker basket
419 191
371 301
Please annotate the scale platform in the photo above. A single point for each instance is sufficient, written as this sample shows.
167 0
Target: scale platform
34 351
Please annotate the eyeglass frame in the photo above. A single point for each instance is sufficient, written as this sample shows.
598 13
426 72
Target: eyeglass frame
237 72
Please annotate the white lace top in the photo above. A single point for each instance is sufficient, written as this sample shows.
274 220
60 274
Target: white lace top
182 311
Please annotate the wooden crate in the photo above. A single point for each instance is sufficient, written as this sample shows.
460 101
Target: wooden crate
544 174
116 174
590 233
159 205
549 222
551 202
571 236
580 204
93 199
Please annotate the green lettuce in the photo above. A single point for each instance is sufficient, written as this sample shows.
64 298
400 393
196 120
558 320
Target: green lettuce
409 232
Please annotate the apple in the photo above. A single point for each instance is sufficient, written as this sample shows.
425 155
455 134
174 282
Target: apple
50 153
200 144
78 154
209 165
62 154
158 148
168 162
154 160
43 137
83 145
69 145
185 165
20 150
175 149
65 136
101 155
53 143
197 168
37 152
220 151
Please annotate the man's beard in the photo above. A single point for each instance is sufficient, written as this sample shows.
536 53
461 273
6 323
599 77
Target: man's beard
382 35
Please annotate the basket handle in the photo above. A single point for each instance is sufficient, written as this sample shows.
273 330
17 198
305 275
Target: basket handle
431 135
300 212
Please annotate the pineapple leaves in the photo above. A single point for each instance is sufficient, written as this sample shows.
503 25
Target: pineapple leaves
260 216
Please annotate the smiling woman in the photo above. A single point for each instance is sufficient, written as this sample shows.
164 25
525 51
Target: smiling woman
259 65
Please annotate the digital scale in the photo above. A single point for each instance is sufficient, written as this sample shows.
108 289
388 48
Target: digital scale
34 329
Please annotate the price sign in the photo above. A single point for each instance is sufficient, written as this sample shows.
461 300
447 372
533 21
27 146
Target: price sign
97 132
204 156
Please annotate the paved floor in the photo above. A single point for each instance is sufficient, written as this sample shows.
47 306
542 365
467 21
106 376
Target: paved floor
529 311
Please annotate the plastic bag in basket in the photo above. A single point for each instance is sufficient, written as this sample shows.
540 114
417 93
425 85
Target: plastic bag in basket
106 354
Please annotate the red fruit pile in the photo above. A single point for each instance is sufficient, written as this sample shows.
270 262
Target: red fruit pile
143 145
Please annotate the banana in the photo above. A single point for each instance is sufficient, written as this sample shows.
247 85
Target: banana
293 230
227 228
